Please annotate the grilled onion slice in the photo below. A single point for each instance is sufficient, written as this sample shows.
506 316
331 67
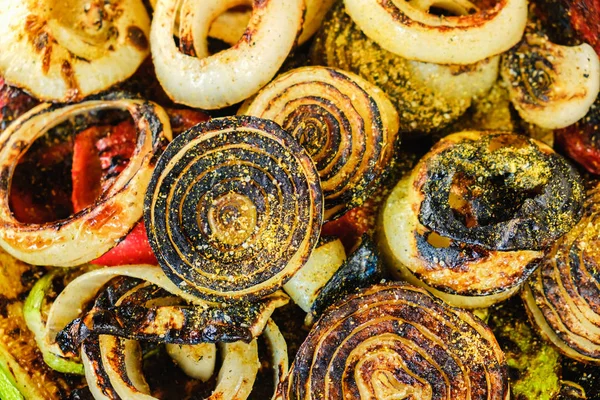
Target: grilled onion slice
234 209
66 50
550 85
407 28
450 226
562 295
219 80
397 341
347 125
230 26
87 234
427 96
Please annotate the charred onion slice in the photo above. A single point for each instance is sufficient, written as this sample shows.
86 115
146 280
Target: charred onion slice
550 85
407 29
93 231
230 26
219 80
427 96
234 209
397 341
562 295
450 226
66 50
347 125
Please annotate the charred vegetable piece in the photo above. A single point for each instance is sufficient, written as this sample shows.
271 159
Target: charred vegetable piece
534 366
562 295
33 318
449 226
397 341
347 125
13 103
234 209
363 268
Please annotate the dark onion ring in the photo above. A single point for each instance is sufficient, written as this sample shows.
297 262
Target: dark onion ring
562 295
347 125
394 341
234 209
93 231
448 225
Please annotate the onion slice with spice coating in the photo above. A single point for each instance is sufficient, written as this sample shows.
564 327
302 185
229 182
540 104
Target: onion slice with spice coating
393 342
551 86
347 125
66 50
447 226
562 295
407 29
85 235
219 80
234 209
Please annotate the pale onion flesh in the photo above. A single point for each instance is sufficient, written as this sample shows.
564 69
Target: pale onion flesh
410 31
65 51
230 26
88 234
196 360
322 264
550 85
219 80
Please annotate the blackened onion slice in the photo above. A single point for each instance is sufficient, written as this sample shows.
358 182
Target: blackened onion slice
234 209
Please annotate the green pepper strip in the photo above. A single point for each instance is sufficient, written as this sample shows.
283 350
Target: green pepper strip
33 319
8 386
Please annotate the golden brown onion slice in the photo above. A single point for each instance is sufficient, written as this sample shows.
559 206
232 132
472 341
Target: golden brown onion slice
66 50
562 295
476 214
397 341
347 125
88 234
230 26
198 79
408 29
234 209
427 96
550 85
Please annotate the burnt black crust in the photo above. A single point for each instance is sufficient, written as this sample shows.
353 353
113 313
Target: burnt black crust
544 210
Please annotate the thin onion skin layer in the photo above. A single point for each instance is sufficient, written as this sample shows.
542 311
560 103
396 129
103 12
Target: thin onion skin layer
231 76
562 295
390 341
234 209
58 51
347 125
413 33
85 235
447 225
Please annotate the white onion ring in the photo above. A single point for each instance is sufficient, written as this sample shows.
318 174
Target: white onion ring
93 231
230 25
58 51
232 75
411 32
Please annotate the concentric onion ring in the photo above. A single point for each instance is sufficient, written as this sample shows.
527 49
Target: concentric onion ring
232 75
230 26
448 226
397 341
88 234
427 96
347 125
550 85
234 209
562 295
66 50
407 29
